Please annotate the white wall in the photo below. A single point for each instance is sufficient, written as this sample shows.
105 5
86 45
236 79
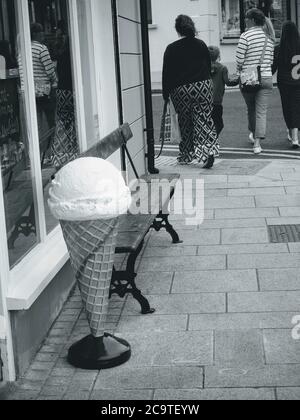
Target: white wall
132 79
205 13
106 82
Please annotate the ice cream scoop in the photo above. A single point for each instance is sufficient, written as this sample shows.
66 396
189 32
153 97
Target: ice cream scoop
88 189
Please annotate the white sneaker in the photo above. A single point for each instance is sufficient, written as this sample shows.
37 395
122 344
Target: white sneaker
296 144
251 138
257 150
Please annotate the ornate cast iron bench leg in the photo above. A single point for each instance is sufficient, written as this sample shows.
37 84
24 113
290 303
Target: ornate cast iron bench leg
123 282
162 222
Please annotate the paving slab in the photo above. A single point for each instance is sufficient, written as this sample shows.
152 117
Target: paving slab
121 395
153 323
244 321
280 347
183 348
245 192
294 247
288 394
278 201
279 279
245 236
264 302
289 211
277 221
215 281
261 261
145 378
260 377
230 203
209 214
233 223
247 394
212 262
171 251
239 348
243 249
181 304
246 213
189 238
155 283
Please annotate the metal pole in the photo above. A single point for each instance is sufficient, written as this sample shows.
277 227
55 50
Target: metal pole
118 73
148 89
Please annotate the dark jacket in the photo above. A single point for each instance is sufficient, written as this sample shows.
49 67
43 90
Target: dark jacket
285 72
220 79
185 61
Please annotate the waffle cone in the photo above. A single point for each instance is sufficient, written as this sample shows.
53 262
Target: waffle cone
91 245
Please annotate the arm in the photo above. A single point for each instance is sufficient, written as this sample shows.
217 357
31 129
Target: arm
48 65
276 60
166 76
227 80
207 56
241 53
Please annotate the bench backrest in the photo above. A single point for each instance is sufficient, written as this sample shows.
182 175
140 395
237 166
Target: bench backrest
111 143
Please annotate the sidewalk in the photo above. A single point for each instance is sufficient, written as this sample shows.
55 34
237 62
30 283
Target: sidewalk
224 300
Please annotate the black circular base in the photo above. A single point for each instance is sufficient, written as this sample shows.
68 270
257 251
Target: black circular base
99 353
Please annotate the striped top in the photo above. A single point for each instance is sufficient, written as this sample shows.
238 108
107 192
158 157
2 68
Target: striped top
43 69
250 49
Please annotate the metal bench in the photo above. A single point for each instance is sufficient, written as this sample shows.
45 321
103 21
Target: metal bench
134 228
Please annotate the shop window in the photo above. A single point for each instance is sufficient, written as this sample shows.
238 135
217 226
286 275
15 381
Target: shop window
231 23
53 92
54 89
15 157
233 15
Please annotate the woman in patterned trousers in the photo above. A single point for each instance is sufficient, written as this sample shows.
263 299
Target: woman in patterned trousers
187 81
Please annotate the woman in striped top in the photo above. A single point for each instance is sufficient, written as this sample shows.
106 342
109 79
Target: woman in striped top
249 53
45 78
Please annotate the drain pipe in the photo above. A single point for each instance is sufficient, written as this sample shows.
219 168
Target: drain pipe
148 89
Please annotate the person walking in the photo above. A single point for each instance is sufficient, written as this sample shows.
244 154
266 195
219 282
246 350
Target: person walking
220 78
45 78
256 49
187 81
288 84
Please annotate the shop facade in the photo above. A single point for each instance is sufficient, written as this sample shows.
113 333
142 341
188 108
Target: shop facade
97 83
219 22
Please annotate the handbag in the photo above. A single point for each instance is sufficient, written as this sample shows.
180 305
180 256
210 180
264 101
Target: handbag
175 129
251 80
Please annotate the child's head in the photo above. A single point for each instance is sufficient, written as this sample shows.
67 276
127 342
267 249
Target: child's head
215 53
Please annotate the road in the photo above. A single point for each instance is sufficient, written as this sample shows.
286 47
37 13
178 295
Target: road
234 139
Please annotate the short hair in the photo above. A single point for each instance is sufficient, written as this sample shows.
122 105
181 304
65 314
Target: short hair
214 53
185 26
257 15
36 28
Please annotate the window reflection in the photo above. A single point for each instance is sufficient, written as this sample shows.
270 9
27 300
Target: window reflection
52 68
14 148
231 24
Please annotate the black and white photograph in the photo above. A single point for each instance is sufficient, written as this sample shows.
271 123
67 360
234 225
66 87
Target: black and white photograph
149 203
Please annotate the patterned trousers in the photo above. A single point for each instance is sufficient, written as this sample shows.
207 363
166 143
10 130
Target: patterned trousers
65 145
194 105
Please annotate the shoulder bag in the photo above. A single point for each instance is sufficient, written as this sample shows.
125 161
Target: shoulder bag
251 77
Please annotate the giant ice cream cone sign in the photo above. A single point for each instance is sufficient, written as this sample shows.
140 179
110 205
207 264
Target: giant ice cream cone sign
87 196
